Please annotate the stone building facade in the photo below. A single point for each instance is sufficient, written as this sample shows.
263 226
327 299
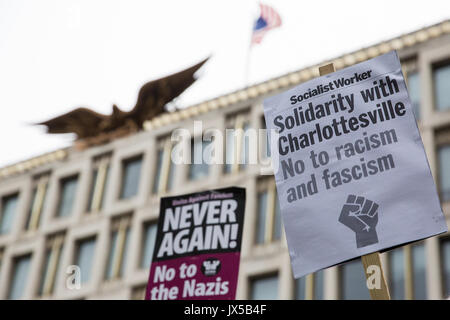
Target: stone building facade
97 208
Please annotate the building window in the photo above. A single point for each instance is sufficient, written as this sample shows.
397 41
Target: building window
264 139
414 93
264 288
165 169
68 187
120 232
1 261
7 213
19 279
130 177
85 250
53 249
301 287
199 167
40 185
396 274
237 142
445 258
441 78
268 224
410 70
148 244
138 293
353 281
419 271
99 180
407 272
444 172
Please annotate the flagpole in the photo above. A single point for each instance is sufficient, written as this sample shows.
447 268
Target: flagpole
269 19
247 66
248 54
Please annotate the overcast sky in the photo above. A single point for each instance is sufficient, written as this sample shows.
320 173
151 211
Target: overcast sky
58 55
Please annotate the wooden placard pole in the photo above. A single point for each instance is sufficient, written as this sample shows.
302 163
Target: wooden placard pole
372 259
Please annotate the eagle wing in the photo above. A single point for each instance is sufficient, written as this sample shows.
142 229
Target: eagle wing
154 95
84 122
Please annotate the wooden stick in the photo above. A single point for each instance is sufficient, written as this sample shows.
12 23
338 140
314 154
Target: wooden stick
372 259
381 293
326 69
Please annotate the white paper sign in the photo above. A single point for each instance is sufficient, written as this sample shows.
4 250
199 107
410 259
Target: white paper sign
352 175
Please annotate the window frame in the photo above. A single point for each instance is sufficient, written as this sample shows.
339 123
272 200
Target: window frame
139 157
1 259
117 253
264 140
266 275
198 139
145 225
437 65
410 67
101 165
14 260
267 185
61 185
39 190
311 283
76 254
3 200
409 285
341 278
160 183
47 281
445 290
442 140
237 122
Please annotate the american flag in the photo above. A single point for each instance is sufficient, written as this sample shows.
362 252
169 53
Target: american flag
268 19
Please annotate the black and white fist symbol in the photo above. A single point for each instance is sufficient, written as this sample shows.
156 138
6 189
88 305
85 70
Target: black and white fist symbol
361 216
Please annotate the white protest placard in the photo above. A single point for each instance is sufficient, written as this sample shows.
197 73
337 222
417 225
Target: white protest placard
351 173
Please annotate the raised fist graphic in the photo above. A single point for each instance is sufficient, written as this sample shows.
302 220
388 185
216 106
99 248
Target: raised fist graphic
361 216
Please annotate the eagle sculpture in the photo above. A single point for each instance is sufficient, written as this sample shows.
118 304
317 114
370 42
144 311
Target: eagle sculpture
93 127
